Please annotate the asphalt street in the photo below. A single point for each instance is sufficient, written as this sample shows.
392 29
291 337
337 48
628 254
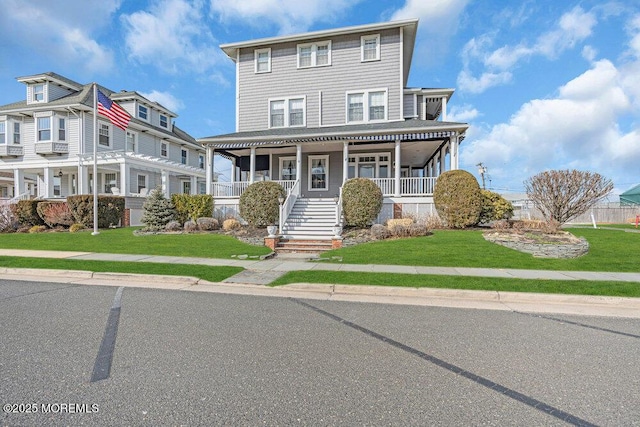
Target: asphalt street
94 355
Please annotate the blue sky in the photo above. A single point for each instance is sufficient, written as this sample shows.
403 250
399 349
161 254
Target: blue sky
544 84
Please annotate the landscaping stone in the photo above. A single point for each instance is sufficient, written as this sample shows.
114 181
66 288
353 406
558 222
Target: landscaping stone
561 245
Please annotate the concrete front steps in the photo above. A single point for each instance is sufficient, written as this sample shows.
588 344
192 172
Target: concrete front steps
309 227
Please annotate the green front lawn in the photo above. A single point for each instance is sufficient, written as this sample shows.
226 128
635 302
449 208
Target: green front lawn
610 250
123 241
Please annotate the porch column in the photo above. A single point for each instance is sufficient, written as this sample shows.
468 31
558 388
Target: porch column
252 166
194 184
232 178
124 179
208 165
443 114
454 152
345 162
18 182
83 180
166 190
298 162
398 168
442 162
48 182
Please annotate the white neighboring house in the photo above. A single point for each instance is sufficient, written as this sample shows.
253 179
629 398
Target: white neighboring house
46 146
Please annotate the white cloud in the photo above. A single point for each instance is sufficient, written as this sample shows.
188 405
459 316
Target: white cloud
572 28
289 15
65 37
435 15
173 36
576 129
165 99
462 113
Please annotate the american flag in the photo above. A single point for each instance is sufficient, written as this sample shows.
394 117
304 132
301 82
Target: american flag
116 114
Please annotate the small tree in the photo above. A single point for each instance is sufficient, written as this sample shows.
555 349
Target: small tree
564 194
458 199
158 211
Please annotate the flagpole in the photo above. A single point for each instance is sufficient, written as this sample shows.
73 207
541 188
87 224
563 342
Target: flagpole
95 160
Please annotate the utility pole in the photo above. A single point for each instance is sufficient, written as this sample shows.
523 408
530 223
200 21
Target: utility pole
482 169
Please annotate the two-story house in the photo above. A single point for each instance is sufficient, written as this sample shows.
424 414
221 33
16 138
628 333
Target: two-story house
315 109
46 146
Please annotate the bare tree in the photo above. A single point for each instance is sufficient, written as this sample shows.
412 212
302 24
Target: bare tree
564 194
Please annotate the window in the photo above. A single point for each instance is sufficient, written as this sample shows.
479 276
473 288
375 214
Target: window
288 168
314 55
186 187
38 93
371 165
370 46
131 142
44 128
3 133
16 133
142 182
109 182
62 129
287 112
163 149
103 134
367 106
202 187
164 121
263 60
201 161
183 156
143 112
57 185
318 173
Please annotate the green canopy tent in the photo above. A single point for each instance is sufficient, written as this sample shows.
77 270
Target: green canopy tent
631 196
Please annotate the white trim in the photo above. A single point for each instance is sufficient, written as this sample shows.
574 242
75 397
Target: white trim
166 143
363 40
256 53
186 158
365 105
160 116
401 47
314 54
237 93
148 113
319 108
135 140
287 111
310 159
109 134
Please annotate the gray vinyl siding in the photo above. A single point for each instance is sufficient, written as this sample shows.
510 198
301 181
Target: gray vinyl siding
409 105
346 73
56 92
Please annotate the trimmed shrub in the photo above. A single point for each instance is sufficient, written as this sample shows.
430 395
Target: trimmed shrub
192 206
231 224
380 232
494 207
259 204
361 202
458 199
38 229
207 224
55 214
110 209
173 226
76 227
417 230
190 226
26 212
399 230
157 211
399 221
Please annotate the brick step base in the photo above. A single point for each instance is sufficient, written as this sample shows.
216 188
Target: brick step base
286 245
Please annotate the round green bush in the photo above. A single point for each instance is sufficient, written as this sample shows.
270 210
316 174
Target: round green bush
361 202
494 207
458 199
259 204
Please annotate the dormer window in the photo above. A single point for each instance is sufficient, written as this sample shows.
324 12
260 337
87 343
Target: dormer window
38 92
143 112
263 60
164 121
314 54
370 48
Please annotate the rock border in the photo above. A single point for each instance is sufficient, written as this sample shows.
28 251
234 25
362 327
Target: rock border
557 250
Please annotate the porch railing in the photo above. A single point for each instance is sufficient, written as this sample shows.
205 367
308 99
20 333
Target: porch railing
339 208
235 189
408 186
285 209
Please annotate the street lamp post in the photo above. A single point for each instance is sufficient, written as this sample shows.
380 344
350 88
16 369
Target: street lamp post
482 170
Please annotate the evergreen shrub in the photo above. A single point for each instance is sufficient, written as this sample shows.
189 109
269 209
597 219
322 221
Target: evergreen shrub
259 204
26 212
110 209
458 199
494 207
361 202
192 206
157 211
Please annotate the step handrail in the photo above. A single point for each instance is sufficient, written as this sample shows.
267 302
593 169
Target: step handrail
287 205
339 209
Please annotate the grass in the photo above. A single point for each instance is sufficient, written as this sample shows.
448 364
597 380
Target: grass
610 250
575 287
212 274
123 241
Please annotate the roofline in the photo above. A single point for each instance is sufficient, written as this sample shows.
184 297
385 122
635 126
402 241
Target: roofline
230 48
52 77
457 127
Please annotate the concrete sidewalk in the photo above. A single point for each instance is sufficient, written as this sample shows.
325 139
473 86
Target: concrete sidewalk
258 273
